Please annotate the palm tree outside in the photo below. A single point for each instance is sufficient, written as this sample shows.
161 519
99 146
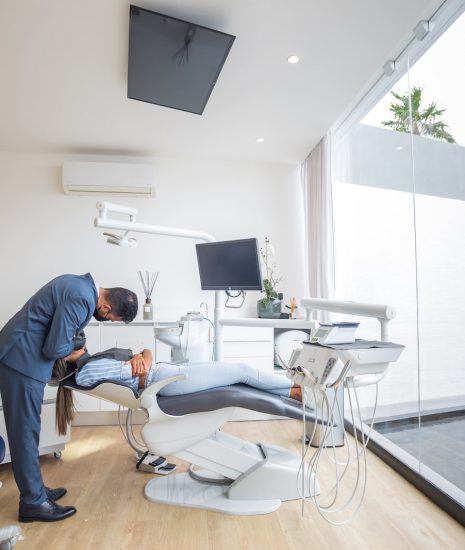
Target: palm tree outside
410 117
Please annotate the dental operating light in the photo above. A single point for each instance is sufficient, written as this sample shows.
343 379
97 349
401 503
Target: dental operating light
121 240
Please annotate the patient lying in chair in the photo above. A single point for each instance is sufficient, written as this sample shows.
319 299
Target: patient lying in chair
140 371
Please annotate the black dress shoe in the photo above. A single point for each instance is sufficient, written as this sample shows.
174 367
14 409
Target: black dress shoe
47 511
55 494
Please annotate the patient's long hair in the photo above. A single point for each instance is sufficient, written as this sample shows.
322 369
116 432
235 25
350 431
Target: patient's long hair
64 412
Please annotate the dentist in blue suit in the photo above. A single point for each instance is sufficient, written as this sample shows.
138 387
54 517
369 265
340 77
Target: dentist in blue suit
41 332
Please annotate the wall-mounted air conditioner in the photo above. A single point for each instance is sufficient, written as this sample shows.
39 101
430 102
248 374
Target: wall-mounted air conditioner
108 179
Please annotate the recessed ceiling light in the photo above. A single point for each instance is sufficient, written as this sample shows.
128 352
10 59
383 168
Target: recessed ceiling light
260 140
399 148
293 59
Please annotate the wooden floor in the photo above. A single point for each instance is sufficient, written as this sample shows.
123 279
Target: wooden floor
98 469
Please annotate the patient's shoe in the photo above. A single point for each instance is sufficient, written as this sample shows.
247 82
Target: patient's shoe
55 494
47 511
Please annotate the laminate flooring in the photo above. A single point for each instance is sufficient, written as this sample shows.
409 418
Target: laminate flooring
98 469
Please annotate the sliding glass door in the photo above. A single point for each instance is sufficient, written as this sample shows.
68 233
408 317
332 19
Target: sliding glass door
399 210
439 176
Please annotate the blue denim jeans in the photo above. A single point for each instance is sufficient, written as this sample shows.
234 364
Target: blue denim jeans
203 376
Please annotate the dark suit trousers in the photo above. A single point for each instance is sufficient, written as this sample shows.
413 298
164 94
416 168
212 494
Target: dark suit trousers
22 404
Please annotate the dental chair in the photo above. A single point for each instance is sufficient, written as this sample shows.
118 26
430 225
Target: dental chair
236 476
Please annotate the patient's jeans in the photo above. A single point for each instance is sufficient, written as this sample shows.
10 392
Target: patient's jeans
203 376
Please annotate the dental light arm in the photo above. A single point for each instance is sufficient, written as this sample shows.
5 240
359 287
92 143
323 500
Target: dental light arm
102 221
105 207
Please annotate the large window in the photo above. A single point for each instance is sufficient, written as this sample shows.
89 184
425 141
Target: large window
399 210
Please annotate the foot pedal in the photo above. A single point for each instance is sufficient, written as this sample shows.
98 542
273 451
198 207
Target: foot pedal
153 464
167 468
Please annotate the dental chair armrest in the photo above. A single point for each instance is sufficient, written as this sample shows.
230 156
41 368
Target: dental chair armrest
148 396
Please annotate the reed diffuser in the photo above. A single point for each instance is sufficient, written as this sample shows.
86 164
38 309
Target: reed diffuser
148 282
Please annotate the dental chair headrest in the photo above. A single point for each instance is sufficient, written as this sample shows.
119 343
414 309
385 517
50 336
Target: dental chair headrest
79 340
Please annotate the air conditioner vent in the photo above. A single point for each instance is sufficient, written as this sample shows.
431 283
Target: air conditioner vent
108 179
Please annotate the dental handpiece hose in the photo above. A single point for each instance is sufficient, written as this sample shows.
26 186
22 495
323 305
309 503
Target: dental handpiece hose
303 449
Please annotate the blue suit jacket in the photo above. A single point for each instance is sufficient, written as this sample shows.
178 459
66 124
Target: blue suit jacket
43 329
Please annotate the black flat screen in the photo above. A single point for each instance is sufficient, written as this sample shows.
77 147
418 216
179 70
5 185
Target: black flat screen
229 265
172 62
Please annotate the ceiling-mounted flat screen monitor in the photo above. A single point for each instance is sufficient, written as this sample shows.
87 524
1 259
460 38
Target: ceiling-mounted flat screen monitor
172 62
229 265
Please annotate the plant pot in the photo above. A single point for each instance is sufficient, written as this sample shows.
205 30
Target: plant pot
269 309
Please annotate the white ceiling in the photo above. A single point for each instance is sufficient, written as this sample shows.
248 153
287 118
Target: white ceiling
63 67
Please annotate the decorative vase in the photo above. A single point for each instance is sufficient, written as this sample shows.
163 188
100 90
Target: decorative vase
269 309
148 310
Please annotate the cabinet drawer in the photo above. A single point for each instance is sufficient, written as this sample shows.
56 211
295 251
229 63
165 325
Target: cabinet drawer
50 392
108 405
248 349
85 403
247 334
48 435
133 337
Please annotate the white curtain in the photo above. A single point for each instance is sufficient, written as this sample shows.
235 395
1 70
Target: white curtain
316 180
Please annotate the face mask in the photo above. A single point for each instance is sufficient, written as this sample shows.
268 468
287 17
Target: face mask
99 317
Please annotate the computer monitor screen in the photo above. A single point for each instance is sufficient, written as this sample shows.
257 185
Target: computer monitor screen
173 63
229 265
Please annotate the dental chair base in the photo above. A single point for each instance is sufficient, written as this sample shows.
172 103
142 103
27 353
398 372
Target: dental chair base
182 490
270 476
237 476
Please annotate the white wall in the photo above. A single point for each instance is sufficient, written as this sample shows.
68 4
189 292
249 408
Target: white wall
46 233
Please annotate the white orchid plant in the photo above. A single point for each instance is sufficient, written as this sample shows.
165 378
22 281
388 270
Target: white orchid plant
271 280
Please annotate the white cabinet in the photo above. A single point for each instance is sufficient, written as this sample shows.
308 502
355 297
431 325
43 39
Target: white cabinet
251 345
50 441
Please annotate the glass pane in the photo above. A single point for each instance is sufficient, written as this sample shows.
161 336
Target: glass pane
375 254
399 210
439 172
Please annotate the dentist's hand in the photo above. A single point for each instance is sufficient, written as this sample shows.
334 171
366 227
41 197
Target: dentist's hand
74 355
